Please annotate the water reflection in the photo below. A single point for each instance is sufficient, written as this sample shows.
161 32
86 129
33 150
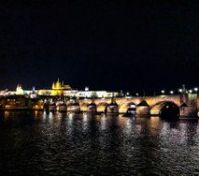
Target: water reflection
95 145
85 122
127 128
103 122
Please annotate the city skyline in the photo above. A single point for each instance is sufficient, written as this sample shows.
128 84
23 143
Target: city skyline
60 85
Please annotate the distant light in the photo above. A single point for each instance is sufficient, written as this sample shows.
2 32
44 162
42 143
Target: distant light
190 91
137 94
196 89
127 94
33 95
171 92
132 106
86 88
180 90
163 91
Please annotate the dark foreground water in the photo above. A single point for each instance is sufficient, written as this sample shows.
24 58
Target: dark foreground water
61 144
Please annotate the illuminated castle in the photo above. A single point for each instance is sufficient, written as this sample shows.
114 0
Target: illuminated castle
59 87
19 90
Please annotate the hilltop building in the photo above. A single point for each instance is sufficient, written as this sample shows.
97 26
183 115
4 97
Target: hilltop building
58 88
19 90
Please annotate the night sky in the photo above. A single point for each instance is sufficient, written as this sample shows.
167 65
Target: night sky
102 44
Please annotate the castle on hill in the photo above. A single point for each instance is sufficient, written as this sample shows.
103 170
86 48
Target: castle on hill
58 88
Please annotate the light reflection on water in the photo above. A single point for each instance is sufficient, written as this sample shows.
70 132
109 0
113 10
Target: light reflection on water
103 122
40 143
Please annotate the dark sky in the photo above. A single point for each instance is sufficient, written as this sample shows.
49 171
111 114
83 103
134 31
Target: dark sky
102 44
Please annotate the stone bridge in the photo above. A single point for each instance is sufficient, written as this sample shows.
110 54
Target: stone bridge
155 103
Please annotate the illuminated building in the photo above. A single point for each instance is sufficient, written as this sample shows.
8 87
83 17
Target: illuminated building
58 88
19 90
96 94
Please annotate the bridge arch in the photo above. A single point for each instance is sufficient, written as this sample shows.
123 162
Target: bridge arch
112 108
101 107
83 106
165 109
92 107
123 108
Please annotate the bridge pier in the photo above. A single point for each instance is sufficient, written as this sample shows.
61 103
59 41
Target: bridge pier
92 108
187 111
61 107
112 108
73 107
142 109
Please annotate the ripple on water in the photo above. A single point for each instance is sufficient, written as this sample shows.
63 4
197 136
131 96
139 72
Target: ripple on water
61 144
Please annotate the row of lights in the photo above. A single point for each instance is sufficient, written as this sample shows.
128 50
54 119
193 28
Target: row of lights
194 90
171 92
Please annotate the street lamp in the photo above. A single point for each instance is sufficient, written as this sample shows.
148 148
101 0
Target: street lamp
171 92
190 91
180 90
162 91
196 89
86 88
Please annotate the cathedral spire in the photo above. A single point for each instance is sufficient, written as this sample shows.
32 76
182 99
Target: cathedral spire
53 85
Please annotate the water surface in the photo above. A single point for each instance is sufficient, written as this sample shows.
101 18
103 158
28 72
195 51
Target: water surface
38 143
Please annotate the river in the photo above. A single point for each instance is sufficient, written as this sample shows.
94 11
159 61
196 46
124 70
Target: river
37 143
